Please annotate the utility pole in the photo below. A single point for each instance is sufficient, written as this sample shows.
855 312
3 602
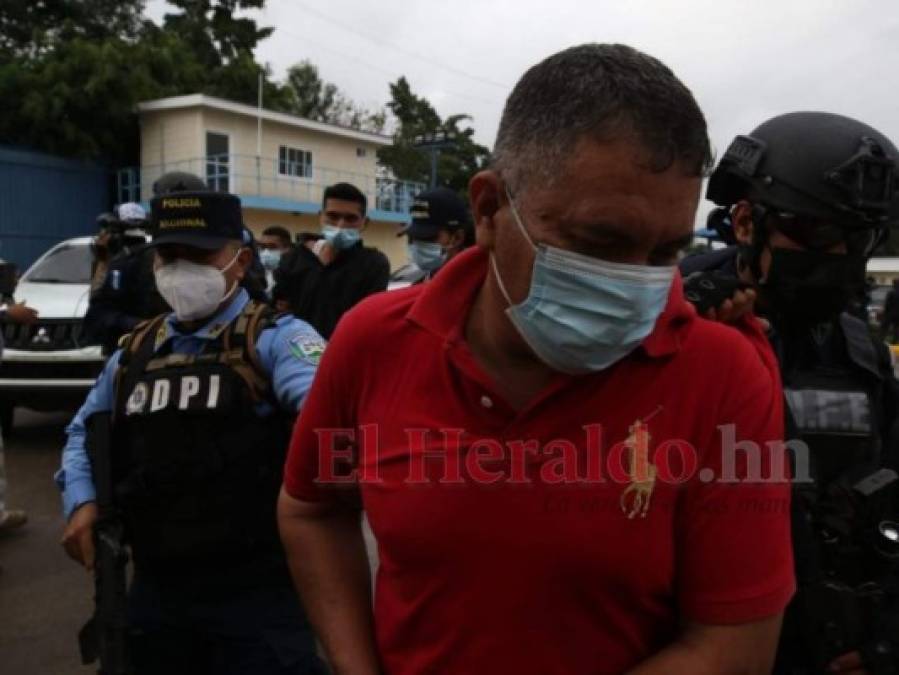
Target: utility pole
432 143
259 135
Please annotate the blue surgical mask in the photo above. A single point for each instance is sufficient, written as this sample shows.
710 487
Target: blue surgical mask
270 258
427 255
341 238
584 314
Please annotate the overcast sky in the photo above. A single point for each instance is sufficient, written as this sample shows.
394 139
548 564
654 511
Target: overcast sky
744 61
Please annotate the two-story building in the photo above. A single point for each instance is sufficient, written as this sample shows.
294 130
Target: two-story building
277 164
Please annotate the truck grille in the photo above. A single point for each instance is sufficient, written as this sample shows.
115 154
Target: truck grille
15 370
44 336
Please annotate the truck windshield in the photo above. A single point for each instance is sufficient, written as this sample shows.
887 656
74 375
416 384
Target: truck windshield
68 264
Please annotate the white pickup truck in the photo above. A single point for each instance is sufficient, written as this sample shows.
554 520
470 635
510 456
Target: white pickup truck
48 366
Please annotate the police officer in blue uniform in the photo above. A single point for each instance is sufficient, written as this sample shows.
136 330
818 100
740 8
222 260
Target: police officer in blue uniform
202 402
807 197
126 293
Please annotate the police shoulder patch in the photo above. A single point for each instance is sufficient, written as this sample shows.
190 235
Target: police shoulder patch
161 334
307 347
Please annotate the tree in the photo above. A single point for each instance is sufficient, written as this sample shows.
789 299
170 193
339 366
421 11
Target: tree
30 27
210 29
415 116
311 97
77 100
73 71
73 90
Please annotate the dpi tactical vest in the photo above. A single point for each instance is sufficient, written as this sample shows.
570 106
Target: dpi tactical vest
199 447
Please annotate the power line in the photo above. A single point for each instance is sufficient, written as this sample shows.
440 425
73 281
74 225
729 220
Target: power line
368 64
408 52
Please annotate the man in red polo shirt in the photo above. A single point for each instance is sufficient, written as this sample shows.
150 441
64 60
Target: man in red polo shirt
566 470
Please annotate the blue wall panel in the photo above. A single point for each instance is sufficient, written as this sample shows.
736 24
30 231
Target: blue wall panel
46 199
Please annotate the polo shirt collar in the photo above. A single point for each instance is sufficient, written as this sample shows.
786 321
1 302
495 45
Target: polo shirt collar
214 327
671 326
445 301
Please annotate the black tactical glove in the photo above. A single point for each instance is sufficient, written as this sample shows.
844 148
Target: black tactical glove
709 290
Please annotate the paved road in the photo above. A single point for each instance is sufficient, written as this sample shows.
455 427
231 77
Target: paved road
44 596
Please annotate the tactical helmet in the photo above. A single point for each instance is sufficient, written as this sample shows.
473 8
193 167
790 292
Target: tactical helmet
818 165
178 181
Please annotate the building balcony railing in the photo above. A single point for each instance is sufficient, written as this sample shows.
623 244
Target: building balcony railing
281 185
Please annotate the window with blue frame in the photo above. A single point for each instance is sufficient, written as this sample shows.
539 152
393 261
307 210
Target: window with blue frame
128 185
294 162
218 161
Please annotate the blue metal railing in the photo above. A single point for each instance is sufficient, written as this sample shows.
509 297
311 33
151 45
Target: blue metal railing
251 176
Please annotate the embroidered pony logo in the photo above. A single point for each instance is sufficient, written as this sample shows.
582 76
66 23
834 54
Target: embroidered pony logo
636 498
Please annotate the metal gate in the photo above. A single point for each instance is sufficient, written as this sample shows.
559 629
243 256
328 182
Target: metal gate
46 199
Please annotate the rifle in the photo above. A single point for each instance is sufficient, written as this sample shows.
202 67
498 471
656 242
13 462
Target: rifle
104 636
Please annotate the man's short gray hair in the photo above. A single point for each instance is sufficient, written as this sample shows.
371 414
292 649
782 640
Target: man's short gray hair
604 91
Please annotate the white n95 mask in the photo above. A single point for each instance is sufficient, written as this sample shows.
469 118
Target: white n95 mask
193 291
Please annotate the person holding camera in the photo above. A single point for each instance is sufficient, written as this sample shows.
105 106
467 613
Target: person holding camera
123 292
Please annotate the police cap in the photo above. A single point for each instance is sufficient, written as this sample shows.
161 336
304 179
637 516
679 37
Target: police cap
178 181
203 219
434 210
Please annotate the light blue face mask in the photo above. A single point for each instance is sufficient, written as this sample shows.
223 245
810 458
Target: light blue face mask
427 255
584 314
270 258
341 238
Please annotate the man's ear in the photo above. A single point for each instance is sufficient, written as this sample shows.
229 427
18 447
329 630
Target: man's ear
741 217
485 194
244 261
365 221
457 238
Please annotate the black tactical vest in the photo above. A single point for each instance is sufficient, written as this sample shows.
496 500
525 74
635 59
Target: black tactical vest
197 469
835 408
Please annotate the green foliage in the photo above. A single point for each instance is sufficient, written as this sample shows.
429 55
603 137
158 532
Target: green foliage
73 71
213 33
30 27
416 116
307 95
78 102
310 97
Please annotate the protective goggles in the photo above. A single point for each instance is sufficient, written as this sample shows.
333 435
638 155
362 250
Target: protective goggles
821 235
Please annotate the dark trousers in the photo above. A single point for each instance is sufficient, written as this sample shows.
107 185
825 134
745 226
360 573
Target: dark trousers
217 627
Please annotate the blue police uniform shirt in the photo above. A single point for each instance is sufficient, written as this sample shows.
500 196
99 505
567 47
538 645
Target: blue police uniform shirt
289 353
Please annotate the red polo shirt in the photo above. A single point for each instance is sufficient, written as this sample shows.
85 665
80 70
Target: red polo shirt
504 536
